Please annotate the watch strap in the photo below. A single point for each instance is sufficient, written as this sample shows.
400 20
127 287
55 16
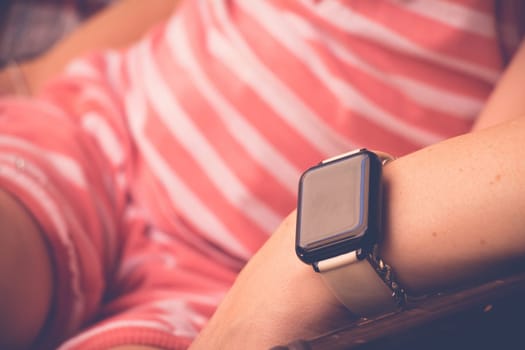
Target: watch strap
365 286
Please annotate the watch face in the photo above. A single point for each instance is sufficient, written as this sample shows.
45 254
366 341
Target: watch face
337 207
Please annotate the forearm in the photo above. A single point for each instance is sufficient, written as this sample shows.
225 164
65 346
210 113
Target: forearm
454 214
25 276
455 211
115 27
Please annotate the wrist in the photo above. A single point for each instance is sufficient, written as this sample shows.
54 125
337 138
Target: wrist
339 229
275 299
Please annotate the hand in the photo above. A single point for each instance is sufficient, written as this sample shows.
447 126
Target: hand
276 299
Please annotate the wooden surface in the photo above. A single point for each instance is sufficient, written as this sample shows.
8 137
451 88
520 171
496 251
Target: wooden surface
489 316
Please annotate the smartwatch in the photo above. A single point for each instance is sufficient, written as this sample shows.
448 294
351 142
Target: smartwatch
339 228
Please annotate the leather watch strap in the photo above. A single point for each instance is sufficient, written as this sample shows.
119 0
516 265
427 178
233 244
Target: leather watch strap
358 285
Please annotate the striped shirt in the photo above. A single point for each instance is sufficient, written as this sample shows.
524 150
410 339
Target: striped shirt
156 172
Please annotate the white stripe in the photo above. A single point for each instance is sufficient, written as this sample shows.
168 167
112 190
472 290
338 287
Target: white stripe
238 57
100 96
228 261
243 132
100 130
454 15
181 197
65 166
111 73
68 168
427 95
181 126
9 157
49 109
358 25
181 316
463 107
346 93
82 68
114 70
129 266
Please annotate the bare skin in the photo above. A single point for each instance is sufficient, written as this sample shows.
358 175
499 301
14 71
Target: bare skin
24 264
469 198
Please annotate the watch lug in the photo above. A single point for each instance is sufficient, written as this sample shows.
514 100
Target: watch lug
339 156
362 254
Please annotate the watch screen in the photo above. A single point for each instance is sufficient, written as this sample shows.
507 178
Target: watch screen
333 203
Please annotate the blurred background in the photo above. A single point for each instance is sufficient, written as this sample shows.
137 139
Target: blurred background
29 27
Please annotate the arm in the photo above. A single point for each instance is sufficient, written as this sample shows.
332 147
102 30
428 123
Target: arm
506 101
115 27
454 215
24 264
455 210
